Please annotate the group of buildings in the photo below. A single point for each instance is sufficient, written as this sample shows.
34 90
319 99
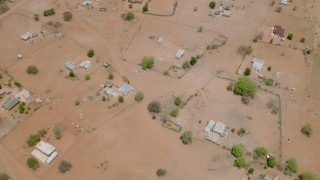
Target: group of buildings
86 64
45 152
215 131
113 91
12 100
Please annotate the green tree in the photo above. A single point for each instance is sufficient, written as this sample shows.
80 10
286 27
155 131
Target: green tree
307 130
147 62
32 69
251 171
245 86
120 99
240 162
247 72
42 132
237 151
186 137
128 16
193 61
161 172
212 4
64 166
177 101
307 176
291 167
290 36
269 82
271 162
33 139
87 77
71 74
4 176
67 16
33 163
154 106
139 96
90 53
261 151
49 12
174 112
145 8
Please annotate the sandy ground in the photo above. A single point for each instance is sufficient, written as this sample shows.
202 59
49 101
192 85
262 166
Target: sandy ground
122 141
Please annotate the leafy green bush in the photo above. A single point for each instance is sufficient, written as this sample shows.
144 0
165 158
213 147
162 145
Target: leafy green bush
291 167
261 151
147 62
87 77
64 166
271 162
251 171
4 176
67 16
49 12
174 112
77 102
247 72
186 65
145 8
307 176
161 172
139 96
302 40
240 162
42 132
269 68
110 76
21 107
120 99
154 106
245 86
32 70
269 82
57 133
17 84
290 36
33 163
177 101
90 53
307 130
193 61
127 16
237 151
212 4
186 137
71 74
33 139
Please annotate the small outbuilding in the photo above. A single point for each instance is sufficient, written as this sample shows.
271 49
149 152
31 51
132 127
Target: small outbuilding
10 103
221 129
70 65
86 3
226 13
278 31
209 126
110 92
45 152
26 36
126 89
283 2
86 64
257 64
136 1
179 53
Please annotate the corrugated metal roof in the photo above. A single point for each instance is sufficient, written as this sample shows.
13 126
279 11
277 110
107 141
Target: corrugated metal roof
126 89
45 148
10 102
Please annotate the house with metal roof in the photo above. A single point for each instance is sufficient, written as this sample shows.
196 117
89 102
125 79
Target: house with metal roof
221 129
209 126
278 31
45 152
10 102
70 65
179 53
86 64
257 64
110 92
26 36
126 89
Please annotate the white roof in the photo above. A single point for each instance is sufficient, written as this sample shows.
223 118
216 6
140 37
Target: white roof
227 13
26 36
220 128
51 157
126 89
86 2
257 63
86 64
110 91
69 65
180 53
160 39
39 155
209 126
45 148
284 2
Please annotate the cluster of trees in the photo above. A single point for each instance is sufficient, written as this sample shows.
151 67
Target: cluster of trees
35 138
186 137
237 151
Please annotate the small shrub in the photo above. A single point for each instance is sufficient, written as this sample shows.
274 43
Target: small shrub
103 98
212 4
130 6
125 79
186 137
230 86
87 77
4 176
42 132
67 16
258 37
32 70
271 41
77 102
17 84
269 68
294 8
302 40
186 65
110 76
33 163
64 166
272 2
147 62
21 108
49 12
271 162
241 132
193 60
200 29
245 50
245 86
247 72
237 151
90 53
307 176
260 151
269 82
4 6
161 172
195 8
154 106
177 101
145 8
120 99
290 36
166 73
279 9
33 140
139 96
174 112
240 162
128 16
307 130
71 74
251 171
291 167
57 133
36 17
